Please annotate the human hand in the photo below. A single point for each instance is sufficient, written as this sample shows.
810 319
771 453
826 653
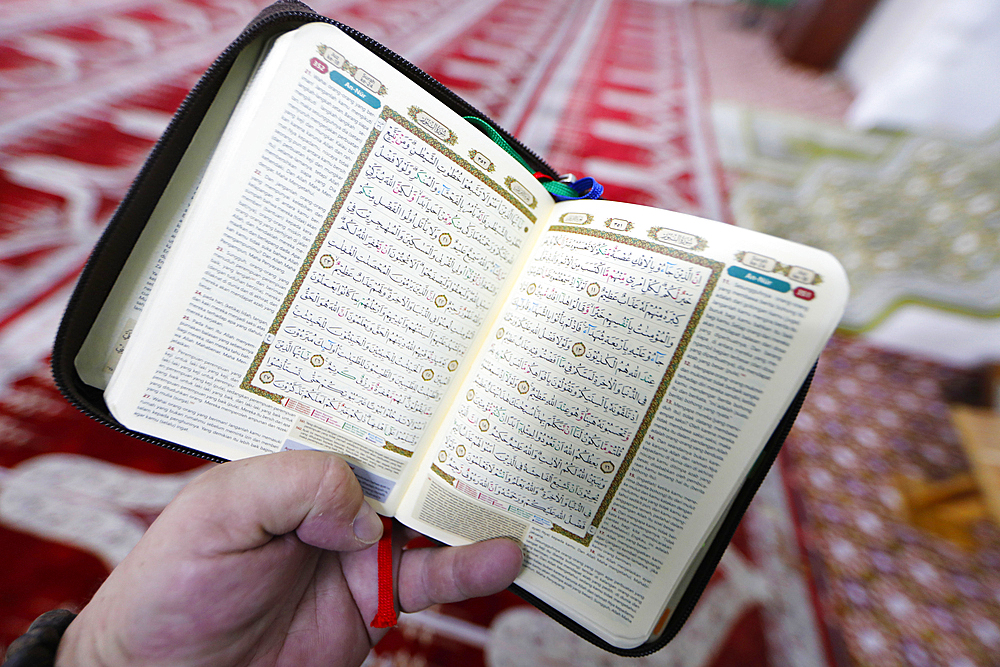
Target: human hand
271 561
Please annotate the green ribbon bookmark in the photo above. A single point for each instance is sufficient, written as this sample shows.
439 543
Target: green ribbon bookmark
558 189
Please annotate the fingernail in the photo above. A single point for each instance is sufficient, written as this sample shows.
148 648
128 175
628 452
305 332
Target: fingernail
367 525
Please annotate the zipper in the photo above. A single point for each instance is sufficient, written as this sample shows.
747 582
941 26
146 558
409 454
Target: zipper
710 563
755 479
274 15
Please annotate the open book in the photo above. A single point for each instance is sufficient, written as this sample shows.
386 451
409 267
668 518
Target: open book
341 262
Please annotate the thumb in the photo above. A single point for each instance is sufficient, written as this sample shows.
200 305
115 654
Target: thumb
243 504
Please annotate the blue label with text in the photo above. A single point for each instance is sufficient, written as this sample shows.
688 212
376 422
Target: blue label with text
759 279
355 89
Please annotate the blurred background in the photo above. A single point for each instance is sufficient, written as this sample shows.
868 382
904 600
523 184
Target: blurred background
870 128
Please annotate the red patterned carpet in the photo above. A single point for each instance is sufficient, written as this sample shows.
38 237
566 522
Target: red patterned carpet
893 594
615 89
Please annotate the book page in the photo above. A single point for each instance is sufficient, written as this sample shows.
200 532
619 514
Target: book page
333 271
112 329
631 380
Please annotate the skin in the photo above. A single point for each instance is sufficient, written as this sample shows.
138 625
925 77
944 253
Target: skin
268 561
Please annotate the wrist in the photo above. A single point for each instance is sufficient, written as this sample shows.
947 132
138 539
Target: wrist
39 645
80 645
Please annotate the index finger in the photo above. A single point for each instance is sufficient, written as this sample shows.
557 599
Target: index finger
451 574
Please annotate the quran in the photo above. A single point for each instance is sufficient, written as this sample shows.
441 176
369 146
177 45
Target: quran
339 261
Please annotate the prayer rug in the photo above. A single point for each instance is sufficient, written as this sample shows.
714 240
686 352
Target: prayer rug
915 220
891 592
912 218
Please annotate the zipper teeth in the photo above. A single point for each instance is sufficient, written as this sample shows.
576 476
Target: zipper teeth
58 347
251 32
684 611
182 111
166 444
779 436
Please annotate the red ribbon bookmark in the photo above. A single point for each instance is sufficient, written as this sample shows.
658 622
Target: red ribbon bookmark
385 616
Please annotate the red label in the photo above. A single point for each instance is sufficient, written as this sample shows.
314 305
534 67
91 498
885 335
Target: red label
319 65
804 293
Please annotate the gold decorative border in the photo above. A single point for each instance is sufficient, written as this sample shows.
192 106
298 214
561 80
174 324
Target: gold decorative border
461 162
442 474
783 269
339 61
716 268
352 176
475 156
616 226
397 449
587 218
528 198
438 132
699 242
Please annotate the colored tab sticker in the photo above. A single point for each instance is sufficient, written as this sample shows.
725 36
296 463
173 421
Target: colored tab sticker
355 89
804 293
759 279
